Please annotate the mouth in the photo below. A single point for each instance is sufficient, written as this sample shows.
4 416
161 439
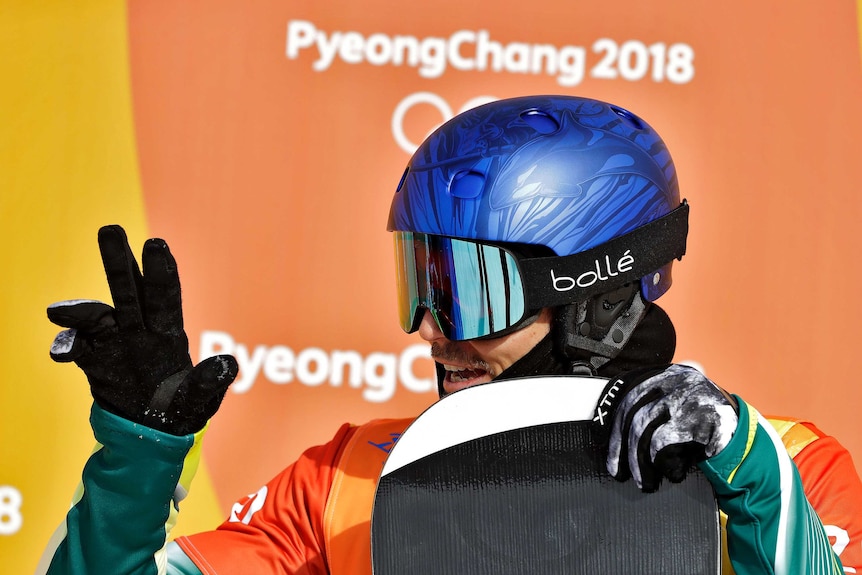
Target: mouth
459 377
458 367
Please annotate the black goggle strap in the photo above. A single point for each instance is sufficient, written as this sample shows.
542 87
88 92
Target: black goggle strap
561 280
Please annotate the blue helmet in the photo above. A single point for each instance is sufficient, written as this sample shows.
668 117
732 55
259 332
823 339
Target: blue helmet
563 172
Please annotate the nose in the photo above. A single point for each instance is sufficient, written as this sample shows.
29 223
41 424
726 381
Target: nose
428 328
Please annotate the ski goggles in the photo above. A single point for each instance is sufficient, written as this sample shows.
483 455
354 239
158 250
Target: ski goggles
471 289
476 290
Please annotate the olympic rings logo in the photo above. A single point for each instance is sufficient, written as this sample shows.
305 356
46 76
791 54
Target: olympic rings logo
428 99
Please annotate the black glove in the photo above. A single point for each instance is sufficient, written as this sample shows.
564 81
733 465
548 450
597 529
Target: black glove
662 421
136 354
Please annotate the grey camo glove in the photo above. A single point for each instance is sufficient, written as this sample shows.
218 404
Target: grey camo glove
136 354
662 421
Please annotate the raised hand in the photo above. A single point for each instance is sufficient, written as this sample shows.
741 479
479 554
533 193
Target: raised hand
662 421
135 354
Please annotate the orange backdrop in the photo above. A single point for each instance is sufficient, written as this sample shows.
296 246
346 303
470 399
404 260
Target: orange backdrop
263 141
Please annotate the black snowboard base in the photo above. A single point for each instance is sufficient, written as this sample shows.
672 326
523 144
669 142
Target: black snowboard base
498 479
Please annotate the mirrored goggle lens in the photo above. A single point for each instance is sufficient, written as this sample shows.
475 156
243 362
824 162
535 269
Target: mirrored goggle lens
472 290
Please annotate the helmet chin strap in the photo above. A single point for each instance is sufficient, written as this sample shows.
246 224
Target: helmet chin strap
593 332
440 371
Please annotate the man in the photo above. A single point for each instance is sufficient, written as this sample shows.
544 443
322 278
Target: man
532 237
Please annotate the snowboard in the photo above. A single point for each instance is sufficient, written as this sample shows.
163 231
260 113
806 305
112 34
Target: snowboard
509 478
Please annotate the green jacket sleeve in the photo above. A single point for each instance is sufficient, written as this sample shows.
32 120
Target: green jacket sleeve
771 528
127 502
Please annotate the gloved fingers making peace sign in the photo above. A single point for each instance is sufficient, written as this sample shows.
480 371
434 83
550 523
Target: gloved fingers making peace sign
135 354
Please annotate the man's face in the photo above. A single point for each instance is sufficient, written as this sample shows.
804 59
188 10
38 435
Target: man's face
472 362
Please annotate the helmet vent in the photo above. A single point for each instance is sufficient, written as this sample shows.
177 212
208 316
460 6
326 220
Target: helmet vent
629 117
467 184
540 121
403 179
